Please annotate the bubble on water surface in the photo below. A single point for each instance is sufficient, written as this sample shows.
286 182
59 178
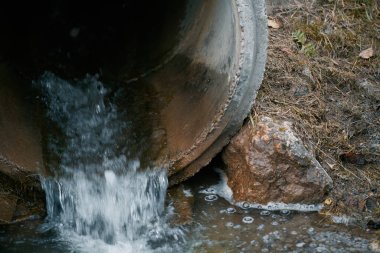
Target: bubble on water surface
231 210
265 213
209 190
248 219
245 205
211 197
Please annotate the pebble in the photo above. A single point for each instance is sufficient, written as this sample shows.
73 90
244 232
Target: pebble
300 245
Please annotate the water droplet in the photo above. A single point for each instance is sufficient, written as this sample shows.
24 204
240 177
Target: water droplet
248 219
211 197
285 212
265 213
231 210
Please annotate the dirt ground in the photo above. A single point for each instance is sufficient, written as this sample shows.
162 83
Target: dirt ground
323 73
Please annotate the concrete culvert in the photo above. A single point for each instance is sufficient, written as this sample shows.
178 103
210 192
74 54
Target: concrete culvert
204 59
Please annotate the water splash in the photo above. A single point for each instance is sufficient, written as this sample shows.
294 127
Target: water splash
97 194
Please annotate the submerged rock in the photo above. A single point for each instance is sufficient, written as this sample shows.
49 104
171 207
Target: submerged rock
7 207
269 162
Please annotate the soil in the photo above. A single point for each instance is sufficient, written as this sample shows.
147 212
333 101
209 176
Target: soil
318 78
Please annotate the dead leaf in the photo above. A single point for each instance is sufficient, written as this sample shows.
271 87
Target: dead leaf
273 24
366 54
328 201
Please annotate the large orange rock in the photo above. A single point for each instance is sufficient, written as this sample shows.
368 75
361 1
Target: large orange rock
269 163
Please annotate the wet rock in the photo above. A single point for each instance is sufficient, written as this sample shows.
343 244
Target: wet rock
183 202
7 208
20 150
20 137
269 162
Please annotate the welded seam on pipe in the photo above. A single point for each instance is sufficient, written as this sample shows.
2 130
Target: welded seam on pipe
253 76
232 91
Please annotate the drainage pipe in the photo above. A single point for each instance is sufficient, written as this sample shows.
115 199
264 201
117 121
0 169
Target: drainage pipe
206 58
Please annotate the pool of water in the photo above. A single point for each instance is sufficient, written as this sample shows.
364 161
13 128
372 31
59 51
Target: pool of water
211 224
222 227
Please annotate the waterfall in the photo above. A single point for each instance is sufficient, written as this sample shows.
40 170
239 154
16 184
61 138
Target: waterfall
98 197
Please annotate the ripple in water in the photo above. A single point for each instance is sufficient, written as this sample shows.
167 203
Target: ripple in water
265 213
98 197
248 219
211 197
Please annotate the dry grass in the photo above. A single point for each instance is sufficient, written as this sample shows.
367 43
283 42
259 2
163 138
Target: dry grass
335 114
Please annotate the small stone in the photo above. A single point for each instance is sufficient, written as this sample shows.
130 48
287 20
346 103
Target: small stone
321 249
375 246
311 231
300 245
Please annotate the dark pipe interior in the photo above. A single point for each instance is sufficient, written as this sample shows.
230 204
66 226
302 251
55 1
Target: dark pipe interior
176 59
74 38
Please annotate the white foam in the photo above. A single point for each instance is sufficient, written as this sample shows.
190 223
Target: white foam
223 190
187 193
110 177
103 199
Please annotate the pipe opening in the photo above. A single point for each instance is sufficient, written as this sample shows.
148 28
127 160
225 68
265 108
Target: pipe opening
179 63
